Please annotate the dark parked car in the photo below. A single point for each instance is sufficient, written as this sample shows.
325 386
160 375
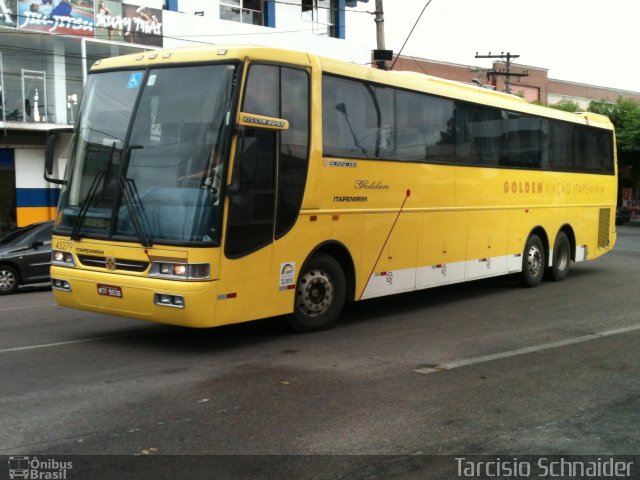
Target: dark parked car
623 215
25 256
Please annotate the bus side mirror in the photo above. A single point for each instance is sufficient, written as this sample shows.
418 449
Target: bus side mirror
49 156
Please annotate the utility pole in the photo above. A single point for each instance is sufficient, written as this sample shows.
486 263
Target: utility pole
379 13
378 57
506 73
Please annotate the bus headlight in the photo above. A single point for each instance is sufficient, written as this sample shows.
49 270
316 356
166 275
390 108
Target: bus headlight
172 269
64 259
58 284
180 271
168 300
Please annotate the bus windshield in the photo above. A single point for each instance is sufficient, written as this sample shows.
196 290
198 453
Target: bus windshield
146 160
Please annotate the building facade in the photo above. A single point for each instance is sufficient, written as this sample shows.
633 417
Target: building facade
48 46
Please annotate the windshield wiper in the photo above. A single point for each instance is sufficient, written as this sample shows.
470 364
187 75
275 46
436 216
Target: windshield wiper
134 202
77 225
88 200
136 209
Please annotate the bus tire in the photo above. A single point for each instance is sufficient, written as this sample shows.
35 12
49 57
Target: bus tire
561 260
320 295
533 262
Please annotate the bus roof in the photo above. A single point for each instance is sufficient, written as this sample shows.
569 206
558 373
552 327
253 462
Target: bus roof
402 79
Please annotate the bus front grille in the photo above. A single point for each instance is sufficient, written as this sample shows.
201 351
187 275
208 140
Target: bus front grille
603 227
120 264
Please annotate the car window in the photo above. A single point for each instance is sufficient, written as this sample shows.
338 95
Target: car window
44 235
10 237
29 234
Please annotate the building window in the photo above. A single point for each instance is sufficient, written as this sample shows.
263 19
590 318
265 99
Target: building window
244 11
322 16
42 76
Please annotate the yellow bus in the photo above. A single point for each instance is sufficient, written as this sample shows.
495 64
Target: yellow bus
211 186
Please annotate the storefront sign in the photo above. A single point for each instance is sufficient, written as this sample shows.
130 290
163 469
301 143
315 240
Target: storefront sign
128 23
62 17
8 10
142 25
103 19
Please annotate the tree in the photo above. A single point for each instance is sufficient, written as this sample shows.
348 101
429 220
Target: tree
625 116
603 108
567 105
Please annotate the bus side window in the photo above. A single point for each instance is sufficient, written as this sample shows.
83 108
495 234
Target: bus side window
294 147
262 92
256 169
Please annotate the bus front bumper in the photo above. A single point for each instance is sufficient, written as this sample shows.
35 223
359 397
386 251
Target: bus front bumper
188 304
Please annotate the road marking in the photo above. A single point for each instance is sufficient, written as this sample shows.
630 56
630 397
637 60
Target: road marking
31 306
82 340
526 350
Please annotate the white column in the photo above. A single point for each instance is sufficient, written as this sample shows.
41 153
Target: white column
57 69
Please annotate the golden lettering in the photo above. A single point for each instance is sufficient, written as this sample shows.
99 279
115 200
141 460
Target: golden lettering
523 187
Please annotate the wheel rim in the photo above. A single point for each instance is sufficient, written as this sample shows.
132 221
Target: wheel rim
534 261
7 280
562 256
315 293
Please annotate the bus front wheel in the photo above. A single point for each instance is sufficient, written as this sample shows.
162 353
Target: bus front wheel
320 295
533 262
559 268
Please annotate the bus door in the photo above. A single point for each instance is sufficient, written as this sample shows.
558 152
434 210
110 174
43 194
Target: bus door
265 194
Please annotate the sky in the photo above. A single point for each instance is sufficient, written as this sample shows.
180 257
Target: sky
584 41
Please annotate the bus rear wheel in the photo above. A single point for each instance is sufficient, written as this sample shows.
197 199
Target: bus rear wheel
320 295
561 260
533 262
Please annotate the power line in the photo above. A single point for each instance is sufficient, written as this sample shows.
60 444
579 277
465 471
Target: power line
507 73
409 36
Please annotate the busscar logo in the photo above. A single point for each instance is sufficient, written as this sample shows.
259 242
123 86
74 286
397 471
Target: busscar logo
38 469
264 121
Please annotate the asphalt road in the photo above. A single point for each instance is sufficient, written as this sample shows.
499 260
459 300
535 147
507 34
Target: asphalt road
479 368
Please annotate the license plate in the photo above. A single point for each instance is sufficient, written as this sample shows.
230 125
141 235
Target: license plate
110 291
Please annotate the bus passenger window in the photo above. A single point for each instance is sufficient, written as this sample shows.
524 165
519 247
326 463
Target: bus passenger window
424 126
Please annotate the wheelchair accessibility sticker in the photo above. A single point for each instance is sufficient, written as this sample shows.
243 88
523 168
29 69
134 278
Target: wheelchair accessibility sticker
135 79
